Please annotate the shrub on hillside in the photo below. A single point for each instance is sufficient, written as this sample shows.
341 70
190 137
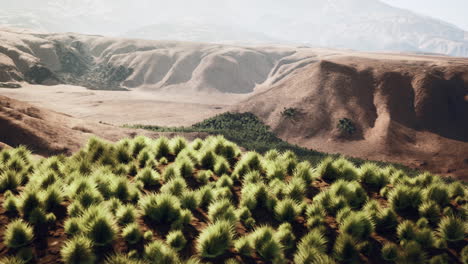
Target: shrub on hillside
78 250
176 240
18 234
162 208
158 252
215 239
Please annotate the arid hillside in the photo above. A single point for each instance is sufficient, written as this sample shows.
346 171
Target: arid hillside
48 133
406 109
402 107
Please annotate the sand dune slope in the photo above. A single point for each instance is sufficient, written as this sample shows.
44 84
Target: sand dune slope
410 110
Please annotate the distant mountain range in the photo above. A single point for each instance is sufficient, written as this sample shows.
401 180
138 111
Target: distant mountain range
369 25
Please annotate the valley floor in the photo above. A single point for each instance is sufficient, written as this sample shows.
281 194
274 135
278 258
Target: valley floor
124 107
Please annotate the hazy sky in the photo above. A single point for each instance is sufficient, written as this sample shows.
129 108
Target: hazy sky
452 11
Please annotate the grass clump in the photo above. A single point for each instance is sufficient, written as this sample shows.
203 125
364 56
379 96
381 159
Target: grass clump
215 239
176 240
161 208
452 229
18 234
132 233
209 198
287 210
158 252
78 250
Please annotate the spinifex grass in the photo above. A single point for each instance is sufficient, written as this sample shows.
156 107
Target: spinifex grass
171 201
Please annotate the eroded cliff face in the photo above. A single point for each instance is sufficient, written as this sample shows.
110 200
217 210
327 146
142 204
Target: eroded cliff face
412 111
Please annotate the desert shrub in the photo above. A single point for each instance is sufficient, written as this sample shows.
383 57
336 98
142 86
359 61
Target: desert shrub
122 154
438 194
29 200
440 259
346 249
252 177
330 202
221 166
346 126
101 230
78 250
12 260
148 235
224 181
431 211
215 239
331 171
464 254
405 199
386 221
285 235
422 223
412 253
266 244
175 186
425 237
406 231
185 168
123 259
171 172
176 240
256 196
306 255
190 200
158 252
358 225
315 239
10 204
205 195
177 144
18 234
161 208
89 197
286 210
390 252
123 189
222 210
275 170
303 171
296 189
9 180
52 198
207 160
243 246
37 217
162 148
126 214
132 233
272 154
372 176
203 176
149 177
73 226
143 158
452 229
240 170
457 189
353 192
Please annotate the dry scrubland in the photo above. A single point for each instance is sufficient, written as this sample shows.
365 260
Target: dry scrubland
172 201
406 108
